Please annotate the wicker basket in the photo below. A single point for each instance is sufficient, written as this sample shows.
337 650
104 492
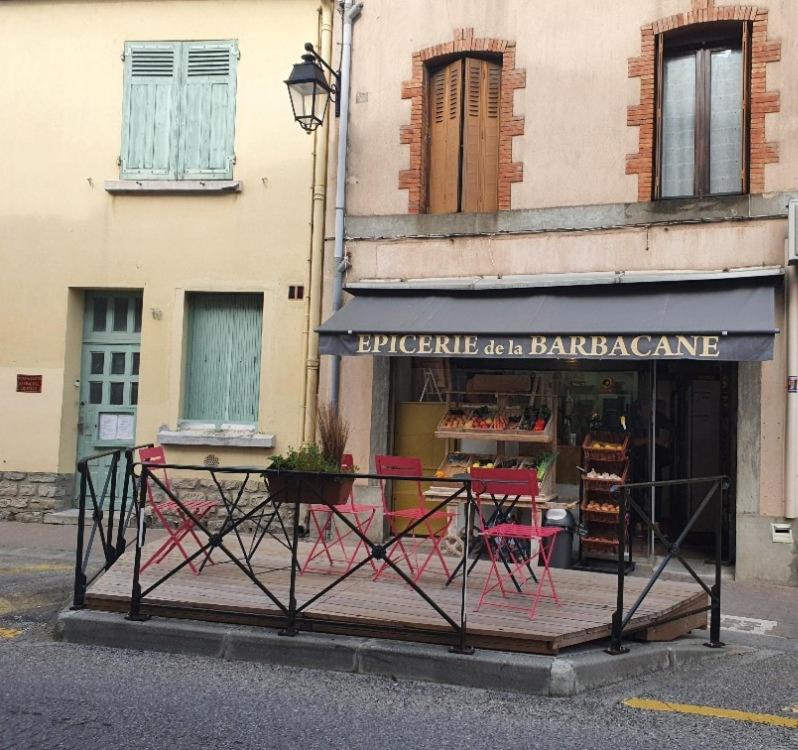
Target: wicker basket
591 453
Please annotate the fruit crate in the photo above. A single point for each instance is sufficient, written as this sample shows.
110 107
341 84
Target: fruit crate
594 446
599 545
600 516
602 484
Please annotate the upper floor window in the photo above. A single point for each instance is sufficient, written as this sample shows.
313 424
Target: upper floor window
179 110
702 111
463 132
222 365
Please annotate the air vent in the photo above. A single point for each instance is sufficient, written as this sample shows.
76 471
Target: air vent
152 63
208 62
211 460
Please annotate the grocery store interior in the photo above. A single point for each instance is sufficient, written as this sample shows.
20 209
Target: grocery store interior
585 425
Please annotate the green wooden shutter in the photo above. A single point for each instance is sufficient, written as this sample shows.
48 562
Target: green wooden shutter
223 358
150 110
208 110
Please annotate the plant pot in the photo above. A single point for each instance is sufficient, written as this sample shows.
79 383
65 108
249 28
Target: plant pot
308 487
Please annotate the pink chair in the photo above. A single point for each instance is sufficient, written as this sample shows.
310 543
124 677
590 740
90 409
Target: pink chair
152 458
511 545
322 518
398 467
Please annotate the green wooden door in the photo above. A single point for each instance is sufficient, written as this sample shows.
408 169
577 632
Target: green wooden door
109 381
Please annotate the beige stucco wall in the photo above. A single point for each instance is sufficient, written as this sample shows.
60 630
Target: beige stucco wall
575 53
60 230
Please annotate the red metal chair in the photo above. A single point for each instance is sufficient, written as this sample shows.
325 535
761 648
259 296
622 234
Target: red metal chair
397 467
513 547
323 520
152 458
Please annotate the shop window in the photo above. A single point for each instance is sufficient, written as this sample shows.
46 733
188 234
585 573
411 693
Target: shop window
463 126
702 110
223 353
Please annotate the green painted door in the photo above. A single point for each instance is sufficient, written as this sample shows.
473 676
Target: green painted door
109 380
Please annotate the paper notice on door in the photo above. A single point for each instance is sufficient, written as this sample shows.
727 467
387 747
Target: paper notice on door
125 427
109 424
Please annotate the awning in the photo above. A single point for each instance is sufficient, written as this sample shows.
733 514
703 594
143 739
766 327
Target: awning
686 320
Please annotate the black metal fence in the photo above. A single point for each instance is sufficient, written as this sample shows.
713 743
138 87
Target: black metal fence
628 504
110 510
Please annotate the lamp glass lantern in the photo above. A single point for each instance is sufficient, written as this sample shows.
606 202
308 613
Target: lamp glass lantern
310 93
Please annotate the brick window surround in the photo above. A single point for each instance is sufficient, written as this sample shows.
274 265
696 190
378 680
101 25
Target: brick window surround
763 102
414 179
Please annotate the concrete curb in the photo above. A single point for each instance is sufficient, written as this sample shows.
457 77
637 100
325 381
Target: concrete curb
493 670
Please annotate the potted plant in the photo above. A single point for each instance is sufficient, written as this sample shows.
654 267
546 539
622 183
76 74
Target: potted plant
303 475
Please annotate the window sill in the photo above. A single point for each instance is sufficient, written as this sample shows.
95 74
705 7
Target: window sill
125 187
226 438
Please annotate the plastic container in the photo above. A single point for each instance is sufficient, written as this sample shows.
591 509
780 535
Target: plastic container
562 553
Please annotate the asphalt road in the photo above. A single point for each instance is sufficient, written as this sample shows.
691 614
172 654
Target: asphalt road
59 695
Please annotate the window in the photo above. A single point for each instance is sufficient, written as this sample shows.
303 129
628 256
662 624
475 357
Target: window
179 110
464 103
222 376
702 118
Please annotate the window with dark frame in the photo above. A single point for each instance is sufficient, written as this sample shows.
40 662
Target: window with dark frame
463 112
702 118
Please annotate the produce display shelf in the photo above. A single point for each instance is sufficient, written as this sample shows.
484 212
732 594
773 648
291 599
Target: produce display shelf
515 436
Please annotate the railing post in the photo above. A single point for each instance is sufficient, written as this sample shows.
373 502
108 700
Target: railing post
79 594
714 612
462 647
290 629
135 594
616 640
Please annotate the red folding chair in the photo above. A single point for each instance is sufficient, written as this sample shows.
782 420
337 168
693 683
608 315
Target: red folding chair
397 467
323 520
176 534
513 547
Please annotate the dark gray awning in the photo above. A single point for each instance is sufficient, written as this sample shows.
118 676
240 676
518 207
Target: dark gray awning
688 320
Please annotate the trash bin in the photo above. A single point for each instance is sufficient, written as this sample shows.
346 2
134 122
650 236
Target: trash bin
562 554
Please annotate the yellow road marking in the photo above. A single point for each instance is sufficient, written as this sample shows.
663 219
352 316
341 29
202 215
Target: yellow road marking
9 632
37 568
717 713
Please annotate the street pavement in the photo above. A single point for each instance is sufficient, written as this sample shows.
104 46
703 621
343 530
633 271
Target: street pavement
59 695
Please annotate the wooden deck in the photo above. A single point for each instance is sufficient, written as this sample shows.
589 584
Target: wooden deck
388 608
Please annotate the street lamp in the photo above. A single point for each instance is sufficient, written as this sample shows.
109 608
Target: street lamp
309 90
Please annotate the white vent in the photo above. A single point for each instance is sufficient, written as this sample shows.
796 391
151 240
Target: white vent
152 63
792 232
208 62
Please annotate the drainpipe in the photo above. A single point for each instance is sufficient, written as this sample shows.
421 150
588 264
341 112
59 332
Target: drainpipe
350 12
791 450
316 259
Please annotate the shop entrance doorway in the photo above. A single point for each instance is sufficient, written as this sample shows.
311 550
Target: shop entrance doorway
694 435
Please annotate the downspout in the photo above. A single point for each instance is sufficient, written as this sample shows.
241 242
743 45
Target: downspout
350 12
791 448
316 259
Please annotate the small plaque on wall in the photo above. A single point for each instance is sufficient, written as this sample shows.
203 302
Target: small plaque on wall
29 383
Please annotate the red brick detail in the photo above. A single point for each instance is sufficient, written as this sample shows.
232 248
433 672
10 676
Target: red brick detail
413 179
763 51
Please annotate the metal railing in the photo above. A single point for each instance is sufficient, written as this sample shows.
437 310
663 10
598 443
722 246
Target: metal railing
102 507
627 503
240 552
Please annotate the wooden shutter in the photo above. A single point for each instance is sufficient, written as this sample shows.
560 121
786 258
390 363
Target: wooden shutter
149 122
223 354
208 110
481 135
445 123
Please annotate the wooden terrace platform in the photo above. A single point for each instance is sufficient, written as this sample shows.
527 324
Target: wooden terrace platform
389 608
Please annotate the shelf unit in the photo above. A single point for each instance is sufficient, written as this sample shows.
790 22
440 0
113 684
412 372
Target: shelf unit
598 548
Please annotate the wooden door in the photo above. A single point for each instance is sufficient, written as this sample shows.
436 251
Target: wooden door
109 381
414 435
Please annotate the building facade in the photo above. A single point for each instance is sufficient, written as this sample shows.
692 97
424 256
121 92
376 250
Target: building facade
609 187
157 230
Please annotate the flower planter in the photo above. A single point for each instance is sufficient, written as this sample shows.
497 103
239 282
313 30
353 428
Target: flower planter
308 487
